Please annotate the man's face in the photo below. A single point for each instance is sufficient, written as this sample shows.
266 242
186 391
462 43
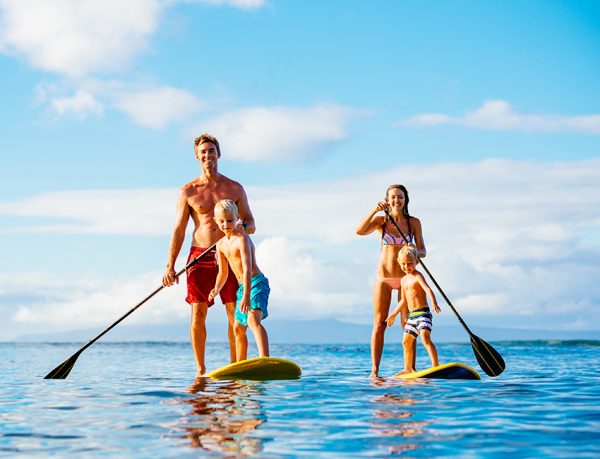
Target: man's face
207 153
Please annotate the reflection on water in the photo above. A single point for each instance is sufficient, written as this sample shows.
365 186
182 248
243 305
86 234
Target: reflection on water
221 415
392 416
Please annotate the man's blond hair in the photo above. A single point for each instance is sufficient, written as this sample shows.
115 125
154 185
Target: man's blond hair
206 138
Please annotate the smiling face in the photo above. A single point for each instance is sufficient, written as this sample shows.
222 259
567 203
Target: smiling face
208 154
396 199
407 263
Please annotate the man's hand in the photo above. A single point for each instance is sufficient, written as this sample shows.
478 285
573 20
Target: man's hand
169 278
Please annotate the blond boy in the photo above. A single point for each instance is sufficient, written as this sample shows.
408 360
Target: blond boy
237 249
414 292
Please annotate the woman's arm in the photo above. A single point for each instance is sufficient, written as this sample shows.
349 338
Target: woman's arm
417 230
371 222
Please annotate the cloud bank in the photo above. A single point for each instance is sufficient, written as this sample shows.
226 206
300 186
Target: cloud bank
513 243
499 115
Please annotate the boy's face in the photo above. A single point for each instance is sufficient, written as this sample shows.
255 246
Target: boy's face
225 220
407 264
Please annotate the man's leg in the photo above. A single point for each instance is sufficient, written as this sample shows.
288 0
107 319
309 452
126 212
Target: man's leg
198 335
230 308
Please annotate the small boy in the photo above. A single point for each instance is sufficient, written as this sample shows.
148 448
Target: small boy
253 292
414 292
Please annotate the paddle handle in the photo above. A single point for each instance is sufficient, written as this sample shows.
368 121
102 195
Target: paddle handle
462 322
124 316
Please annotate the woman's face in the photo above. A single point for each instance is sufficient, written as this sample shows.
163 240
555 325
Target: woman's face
395 198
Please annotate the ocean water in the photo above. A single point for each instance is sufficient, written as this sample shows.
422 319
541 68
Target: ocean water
139 400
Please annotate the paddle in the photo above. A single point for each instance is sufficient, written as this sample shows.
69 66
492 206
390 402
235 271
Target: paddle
63 370
490 361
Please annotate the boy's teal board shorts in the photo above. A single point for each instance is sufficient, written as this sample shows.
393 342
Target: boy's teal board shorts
259 297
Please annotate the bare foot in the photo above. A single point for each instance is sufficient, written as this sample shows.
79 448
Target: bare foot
407 371
200 372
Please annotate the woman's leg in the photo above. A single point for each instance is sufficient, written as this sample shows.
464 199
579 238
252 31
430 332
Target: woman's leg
382 295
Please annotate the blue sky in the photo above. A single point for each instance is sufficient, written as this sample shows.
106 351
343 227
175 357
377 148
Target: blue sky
489 112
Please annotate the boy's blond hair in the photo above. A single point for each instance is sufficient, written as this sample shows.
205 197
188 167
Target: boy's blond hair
408 251
227 206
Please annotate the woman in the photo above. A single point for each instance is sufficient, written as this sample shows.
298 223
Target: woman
388 269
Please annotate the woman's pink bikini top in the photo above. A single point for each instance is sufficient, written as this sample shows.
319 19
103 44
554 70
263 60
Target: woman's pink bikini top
389 239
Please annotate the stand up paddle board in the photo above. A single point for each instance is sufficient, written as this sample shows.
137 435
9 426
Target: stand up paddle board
260 369
447 371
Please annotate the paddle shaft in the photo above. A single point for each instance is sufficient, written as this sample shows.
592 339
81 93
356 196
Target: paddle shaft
462 322
124 316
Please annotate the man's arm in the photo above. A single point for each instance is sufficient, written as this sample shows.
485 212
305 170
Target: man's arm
244 212
182 216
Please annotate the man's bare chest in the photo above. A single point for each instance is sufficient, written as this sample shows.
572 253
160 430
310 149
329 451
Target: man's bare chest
204 202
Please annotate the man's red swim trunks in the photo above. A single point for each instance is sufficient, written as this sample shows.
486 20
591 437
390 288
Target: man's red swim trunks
202 276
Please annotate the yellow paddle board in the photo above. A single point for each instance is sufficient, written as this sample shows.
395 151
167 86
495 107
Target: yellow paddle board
260 369
447 371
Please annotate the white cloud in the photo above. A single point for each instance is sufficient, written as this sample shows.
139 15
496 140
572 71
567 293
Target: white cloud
82 37
499 115
157 107
509 241
79 105
279 133
77 37
53 303
97 211
243 4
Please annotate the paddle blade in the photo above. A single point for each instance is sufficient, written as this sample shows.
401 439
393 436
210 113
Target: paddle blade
63 370
490 361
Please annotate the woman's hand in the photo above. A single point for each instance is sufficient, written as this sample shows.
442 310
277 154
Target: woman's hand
382 206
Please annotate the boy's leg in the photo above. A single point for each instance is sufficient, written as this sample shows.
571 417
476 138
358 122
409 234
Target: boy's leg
426 338
198 335
260 334
230 308
408 342
241 341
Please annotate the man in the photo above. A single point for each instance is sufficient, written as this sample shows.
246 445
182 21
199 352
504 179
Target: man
197 200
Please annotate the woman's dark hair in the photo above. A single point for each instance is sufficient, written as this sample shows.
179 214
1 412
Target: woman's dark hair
406 200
